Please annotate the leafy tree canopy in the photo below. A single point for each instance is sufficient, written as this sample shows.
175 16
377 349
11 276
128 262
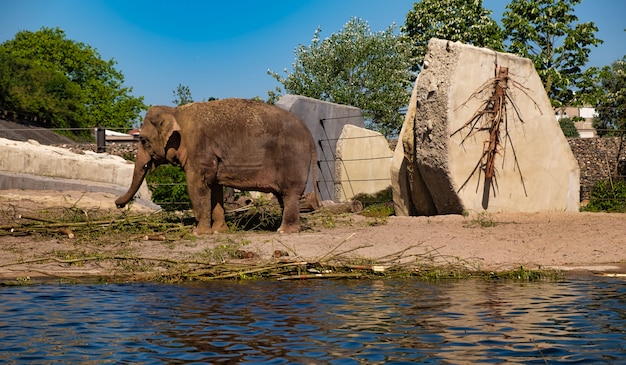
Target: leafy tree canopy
182 95
612 107
64 82
359 68
355 67
34 90
454 20
548 33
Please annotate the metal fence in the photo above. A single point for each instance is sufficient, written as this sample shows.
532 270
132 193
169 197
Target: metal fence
596 164
327 177
344 185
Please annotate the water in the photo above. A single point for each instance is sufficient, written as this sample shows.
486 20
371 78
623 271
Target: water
582 320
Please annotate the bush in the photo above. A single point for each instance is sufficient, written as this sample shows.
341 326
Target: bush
569 128
377 205
168 185
608 196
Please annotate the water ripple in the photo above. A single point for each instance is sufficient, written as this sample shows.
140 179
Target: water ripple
311 322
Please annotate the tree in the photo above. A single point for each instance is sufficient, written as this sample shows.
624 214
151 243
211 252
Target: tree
612 108
454 20
38 92
355 67
182 95
64 78
548 33
569 128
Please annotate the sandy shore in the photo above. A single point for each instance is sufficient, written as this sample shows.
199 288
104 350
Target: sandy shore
590 242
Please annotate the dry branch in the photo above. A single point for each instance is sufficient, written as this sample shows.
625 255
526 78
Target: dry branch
495 111
336 247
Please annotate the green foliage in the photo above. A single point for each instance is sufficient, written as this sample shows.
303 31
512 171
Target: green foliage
168 185
226 250
568 128
381 210
47 94
383 196
527 275
64 82
263 214
548 33
327 218
355 67
378 205
482 219
612 107
608 196
455 20
182 95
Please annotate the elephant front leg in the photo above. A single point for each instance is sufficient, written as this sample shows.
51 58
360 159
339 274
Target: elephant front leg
200 197
291 214
206 204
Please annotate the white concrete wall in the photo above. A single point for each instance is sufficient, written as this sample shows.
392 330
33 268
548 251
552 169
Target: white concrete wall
363 164
29 165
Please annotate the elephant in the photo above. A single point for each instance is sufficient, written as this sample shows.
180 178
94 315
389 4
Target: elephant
239 143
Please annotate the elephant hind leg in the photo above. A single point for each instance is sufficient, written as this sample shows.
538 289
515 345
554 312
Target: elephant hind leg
291 213
218 216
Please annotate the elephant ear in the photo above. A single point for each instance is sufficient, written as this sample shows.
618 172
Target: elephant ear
168 125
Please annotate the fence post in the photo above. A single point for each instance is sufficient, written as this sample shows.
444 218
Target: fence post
100 140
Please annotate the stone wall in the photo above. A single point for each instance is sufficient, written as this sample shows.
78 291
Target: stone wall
126 150
598 159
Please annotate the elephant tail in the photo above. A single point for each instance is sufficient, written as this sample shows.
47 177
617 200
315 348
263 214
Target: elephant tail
313 198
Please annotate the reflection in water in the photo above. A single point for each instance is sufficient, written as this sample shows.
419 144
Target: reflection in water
310 322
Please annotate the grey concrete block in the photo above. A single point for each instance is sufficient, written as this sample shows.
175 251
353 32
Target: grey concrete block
325 121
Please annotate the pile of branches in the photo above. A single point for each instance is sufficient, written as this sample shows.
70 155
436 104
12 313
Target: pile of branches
138 225
233 262
332 265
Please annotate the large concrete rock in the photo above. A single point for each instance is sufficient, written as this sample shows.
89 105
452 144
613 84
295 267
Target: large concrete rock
410 194
438 171
325 121
363 163
29 165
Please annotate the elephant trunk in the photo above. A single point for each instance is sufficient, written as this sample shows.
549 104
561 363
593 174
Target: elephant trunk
142 164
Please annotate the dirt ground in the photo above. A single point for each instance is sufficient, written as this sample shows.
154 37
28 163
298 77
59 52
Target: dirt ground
590 242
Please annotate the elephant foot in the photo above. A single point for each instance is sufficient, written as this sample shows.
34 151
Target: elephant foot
219 228
289 229
197 232
204 229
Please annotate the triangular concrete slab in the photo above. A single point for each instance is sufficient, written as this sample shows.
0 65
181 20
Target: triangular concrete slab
442 161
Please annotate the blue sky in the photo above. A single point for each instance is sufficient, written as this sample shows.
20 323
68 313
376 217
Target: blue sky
224 48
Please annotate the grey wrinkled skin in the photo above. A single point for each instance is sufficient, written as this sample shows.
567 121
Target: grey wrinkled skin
244 144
